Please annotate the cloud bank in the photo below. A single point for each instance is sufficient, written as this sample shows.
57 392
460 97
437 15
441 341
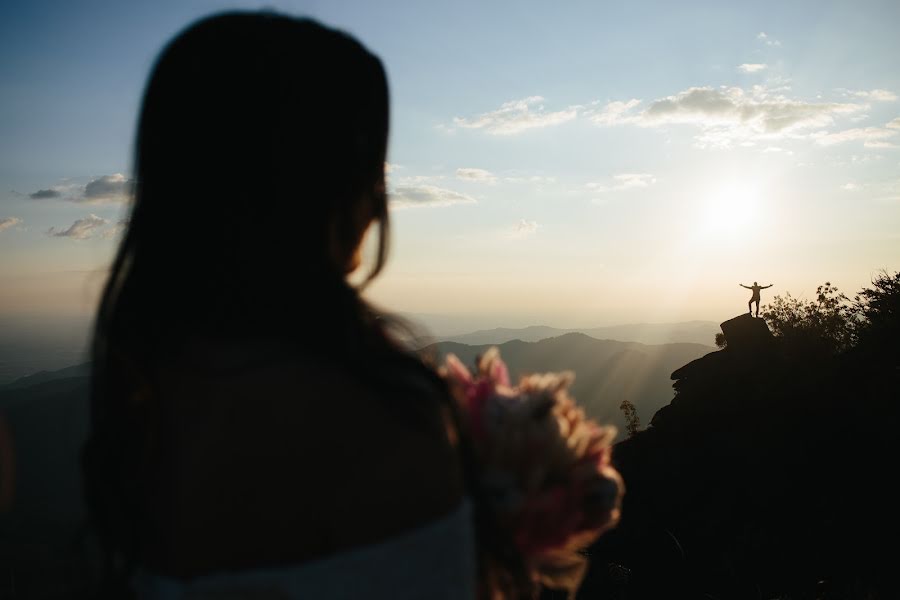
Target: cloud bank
875 95
45 194
480 175
872 137
106 189
727 116
426 195
517 116
614 113
82 229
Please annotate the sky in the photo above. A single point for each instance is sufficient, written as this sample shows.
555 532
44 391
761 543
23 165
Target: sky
571 164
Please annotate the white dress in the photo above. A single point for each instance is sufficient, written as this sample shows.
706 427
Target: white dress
434 561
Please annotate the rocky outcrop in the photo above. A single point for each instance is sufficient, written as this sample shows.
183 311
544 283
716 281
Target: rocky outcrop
761 478
746 334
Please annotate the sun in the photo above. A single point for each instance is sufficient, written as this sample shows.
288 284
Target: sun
730 210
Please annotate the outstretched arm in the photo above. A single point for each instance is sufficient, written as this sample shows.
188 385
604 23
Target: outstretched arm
744 286
768 286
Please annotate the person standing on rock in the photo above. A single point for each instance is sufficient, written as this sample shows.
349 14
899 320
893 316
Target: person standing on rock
755 297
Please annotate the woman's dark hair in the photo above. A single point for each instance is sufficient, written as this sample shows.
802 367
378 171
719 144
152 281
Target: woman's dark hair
259 159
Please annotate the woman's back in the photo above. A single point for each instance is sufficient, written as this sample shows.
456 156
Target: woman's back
273 457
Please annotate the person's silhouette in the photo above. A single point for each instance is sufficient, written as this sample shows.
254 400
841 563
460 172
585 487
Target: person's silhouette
228 337
755 297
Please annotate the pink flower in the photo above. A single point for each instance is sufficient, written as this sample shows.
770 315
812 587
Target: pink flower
546 465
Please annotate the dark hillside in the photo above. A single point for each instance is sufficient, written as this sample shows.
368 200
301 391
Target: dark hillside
770 474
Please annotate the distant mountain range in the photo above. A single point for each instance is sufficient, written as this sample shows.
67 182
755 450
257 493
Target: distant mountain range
606 371
29 344
82 370
47 413
689 332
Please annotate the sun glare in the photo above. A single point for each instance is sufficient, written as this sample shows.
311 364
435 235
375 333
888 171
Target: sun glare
730 210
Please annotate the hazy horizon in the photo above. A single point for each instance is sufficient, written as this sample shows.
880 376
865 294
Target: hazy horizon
40 342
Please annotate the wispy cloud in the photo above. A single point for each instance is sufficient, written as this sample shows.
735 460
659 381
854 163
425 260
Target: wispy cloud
45 194
427 195
614 113
9 222
885 191
766 39
106 189
851 187
532 179
725 116
872 137
879 144
890 191
522 229
752 67
480 175
893 123
875 95
116 230
756 110
416 180
517 116
82 229
733 115
623 182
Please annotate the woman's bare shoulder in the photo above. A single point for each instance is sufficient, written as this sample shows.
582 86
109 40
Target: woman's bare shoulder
302 457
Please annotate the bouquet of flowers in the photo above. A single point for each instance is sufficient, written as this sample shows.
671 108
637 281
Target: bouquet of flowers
545 466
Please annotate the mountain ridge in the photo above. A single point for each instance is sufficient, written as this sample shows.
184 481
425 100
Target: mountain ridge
606 371
696 332
45 375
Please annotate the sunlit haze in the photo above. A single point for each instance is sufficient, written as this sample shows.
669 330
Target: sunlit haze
574 165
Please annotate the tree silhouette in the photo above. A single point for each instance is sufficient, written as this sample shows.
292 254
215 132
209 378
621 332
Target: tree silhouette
878 309
632 420
830 322
721 340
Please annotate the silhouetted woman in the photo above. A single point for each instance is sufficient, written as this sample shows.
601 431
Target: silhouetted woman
256 430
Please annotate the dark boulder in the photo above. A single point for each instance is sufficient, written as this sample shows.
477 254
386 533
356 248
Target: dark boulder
747 334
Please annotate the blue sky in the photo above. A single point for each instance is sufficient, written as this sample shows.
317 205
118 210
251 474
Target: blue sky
574 164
